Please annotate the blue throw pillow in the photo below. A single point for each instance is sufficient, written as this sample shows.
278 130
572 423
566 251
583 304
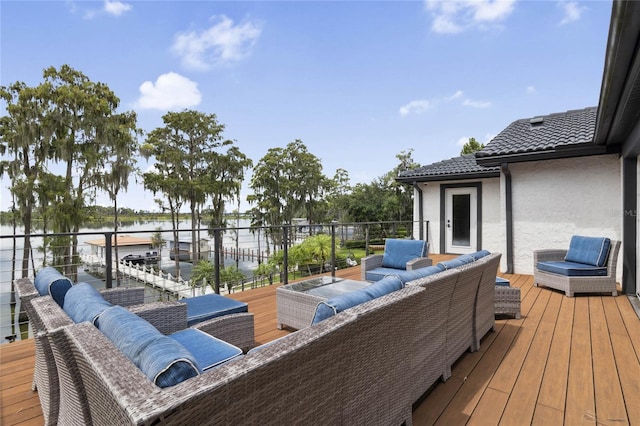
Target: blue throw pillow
480 254
84 303
49 281
398 252
588 250
337 304
163 360
416 274
458 261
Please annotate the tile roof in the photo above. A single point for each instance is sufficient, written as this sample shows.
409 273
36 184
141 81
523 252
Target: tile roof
543 133
458 167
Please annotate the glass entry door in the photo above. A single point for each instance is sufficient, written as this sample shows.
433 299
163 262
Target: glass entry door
461 220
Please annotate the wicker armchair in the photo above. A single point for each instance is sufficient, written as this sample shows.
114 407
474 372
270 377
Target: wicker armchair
576 284
373 267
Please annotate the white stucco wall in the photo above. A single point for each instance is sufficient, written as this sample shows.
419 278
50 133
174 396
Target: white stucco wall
555 199
492 231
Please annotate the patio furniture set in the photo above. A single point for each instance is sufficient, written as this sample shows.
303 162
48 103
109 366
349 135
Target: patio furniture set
369 352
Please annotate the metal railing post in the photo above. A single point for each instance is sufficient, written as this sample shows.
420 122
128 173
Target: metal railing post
333 249
366 240
285 242
108 272
216 259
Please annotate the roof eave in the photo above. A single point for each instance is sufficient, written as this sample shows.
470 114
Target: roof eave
582 150
618 111
439 178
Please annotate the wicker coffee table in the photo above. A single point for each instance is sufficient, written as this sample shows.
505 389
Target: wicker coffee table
296 303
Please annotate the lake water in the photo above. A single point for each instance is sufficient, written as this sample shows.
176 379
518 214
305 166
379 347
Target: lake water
142 229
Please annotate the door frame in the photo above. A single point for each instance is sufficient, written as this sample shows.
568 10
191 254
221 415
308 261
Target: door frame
443 188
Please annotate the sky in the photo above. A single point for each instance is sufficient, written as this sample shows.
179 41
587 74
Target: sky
357 81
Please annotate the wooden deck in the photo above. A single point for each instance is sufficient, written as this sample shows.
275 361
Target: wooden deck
566 361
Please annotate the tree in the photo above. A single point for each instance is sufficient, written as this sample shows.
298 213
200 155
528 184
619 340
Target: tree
25 138
203 274
191 168
157 242
64 123
118 165
287 182
472 146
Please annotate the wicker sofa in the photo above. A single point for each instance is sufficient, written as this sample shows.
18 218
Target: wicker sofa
592 269
45 315
352 367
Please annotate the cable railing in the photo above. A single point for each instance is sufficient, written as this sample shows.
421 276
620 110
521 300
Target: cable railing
169 264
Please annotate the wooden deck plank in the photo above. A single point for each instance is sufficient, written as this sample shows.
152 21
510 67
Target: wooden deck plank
608 393
631 322
523 398
627 362
580 405
485 412
573 380
554 382
506 376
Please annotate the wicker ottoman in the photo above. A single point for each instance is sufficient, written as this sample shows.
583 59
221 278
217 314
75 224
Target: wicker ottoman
507 301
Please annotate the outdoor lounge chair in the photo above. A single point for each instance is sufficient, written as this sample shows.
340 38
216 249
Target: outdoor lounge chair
398 254
589 266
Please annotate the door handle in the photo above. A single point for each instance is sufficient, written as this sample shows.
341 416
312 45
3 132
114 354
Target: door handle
448 224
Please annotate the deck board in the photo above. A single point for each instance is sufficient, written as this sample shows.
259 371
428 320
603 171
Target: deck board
566 361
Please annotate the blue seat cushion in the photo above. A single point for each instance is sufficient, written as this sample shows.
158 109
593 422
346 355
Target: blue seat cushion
49 281
416 274
202 308
379 273
572 269
84 303
588 250
503 282
337 304
398 252
208 351
162 359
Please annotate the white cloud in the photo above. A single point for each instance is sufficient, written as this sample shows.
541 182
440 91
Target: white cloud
452 17
456 95
417 107
476 104
462 141
171 91
221 43
531 89
116 7
572 11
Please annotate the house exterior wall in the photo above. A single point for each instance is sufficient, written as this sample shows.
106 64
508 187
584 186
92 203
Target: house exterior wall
555 199
492 230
